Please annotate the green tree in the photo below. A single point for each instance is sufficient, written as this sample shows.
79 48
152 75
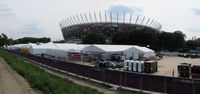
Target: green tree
3 40
155 39
142 37
94 38
192 44
60 41
178 40
171 41
10 41
119 38
32 40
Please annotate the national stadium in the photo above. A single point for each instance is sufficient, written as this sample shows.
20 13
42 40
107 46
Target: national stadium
76 27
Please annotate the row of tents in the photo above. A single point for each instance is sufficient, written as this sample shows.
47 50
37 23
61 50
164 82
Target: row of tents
63 50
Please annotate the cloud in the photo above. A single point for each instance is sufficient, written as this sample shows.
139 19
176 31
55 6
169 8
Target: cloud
194 29
121 9
5 11
41 17
196 11
192 32
31 28
16 26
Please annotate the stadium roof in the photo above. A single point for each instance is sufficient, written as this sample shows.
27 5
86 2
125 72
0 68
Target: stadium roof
110 18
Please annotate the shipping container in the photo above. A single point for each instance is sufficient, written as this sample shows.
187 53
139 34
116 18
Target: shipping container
195 69
186 75
126 64
150 66
195 75
184 70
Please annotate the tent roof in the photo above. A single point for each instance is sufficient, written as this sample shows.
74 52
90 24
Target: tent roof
19 45
49 45
80 47
70 47
115 48
144 49
23 45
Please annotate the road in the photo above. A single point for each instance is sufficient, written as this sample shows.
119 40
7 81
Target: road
11 82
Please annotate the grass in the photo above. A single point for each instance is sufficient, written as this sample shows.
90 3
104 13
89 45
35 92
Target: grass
41 80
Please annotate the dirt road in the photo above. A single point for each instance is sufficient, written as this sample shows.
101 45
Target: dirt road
11 82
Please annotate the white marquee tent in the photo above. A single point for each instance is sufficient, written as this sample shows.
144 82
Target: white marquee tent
41 48
63 49
19 46
129 51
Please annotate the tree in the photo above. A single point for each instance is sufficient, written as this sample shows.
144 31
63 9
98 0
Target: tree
3 40
192 44
141 37
94 38
164 40
32 40
119 38
171 41
155 39
10 41
178 40
60 41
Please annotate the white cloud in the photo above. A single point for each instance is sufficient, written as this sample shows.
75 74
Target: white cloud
45 15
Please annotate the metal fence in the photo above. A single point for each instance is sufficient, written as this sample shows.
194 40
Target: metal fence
172 85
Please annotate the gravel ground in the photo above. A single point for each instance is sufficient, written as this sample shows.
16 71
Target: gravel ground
169 63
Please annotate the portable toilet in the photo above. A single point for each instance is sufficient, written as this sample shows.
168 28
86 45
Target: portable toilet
140 66
126 64
135 66
130 65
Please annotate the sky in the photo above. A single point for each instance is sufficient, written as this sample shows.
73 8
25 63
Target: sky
41 18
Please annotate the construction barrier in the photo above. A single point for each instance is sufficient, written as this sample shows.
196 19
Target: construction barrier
163 84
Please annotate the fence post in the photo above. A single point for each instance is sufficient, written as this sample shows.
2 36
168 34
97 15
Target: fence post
173 86
165 86
120 80
193 86
125 80
104 77
141 83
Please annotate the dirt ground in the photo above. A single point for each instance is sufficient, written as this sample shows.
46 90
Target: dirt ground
11 82
169 63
